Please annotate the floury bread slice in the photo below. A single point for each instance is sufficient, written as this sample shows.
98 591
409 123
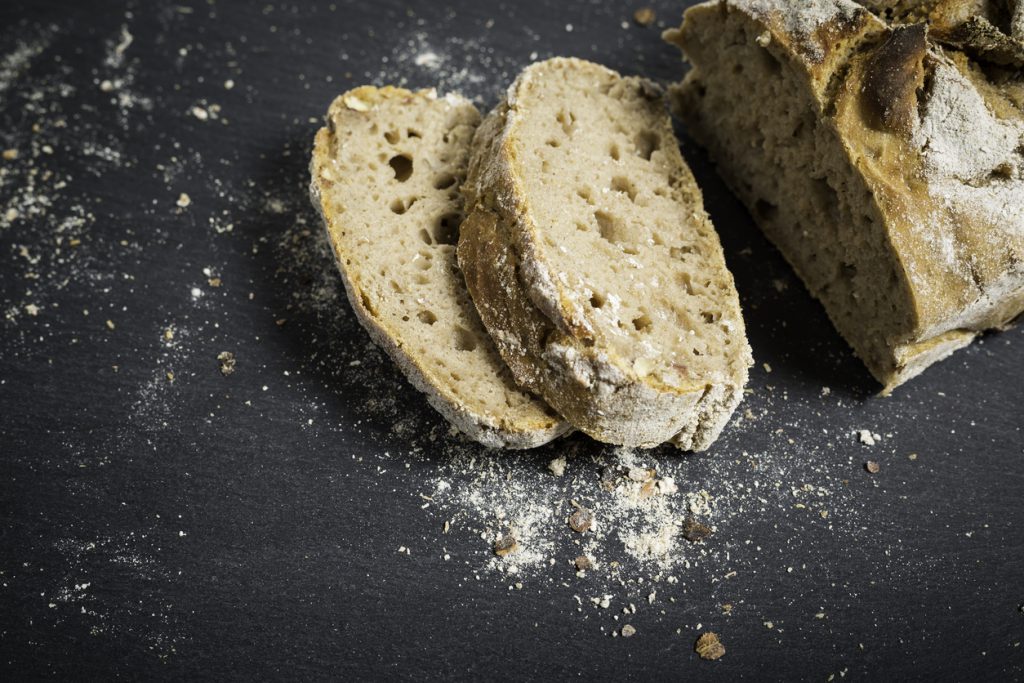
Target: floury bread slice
882 152
593 264
385 172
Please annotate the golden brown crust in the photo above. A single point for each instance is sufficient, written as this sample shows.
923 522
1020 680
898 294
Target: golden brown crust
892 78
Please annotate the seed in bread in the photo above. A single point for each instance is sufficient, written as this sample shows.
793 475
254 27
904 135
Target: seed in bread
593 264
386 172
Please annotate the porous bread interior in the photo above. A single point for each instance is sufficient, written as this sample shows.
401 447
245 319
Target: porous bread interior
782 156
621 227
389 175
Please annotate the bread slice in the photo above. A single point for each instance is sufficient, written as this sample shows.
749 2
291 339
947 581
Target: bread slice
593 264
888 169
386 171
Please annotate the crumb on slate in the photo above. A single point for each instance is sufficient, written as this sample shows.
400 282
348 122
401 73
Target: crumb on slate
581 520
694 531
644 16
709 647
506 545
227 362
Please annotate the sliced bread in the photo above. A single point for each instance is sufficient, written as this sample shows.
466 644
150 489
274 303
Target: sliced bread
885 159
386 171
593 264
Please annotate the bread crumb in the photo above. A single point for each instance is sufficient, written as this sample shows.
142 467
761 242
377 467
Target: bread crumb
867 438
200 113
581 520
32 309
872 467
694 531
229 84
709 647
110 324
644 16
628 631
183 200
506 545
10 154
227 362
557 467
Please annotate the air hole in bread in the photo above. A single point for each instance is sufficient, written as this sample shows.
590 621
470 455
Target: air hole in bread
685 282
710 317
567 120
614 152
680 252
402 166
553 143
612 227
596 300
642 323
582 227
397 287
367 305
586 194
392 136
425 236
622 184
413 133
444 181
426 317
464 339
446 229
400 206
646 143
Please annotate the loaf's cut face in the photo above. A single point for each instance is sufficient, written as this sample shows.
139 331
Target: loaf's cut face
386 173
885 162
637 324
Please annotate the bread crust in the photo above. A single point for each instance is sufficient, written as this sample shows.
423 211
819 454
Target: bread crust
956 270
518 432
541 334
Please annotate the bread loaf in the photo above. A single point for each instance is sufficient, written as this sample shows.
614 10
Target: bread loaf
880 146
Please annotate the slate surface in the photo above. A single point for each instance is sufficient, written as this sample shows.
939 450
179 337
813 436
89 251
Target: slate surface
237 527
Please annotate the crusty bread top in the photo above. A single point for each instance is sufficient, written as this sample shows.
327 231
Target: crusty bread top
947 174
386 174
616 247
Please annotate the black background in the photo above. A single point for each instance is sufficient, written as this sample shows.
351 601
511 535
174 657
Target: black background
287 566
